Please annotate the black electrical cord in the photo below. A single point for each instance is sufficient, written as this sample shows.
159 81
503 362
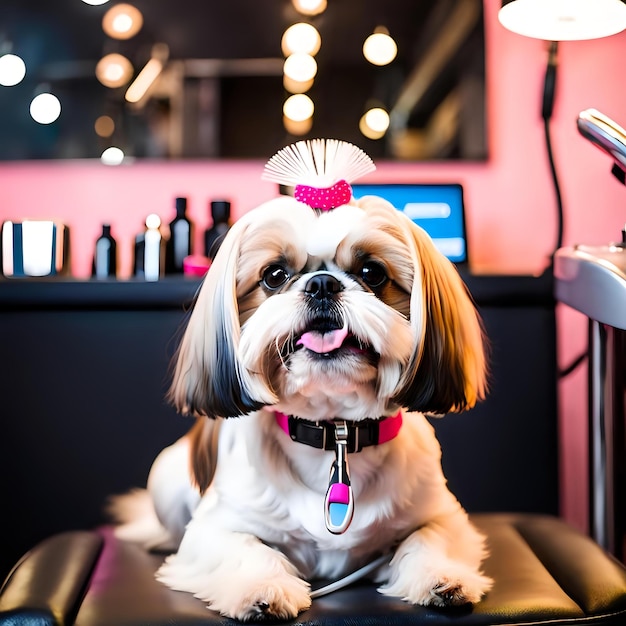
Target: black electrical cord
566 371
549 91
557 189
547 106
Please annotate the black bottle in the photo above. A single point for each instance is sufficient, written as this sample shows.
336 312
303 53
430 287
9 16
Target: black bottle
213 237
105 255
178 245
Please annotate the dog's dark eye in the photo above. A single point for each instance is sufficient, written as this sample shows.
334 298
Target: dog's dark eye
275 276
373 274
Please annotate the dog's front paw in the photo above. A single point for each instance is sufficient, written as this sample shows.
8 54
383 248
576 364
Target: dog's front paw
453 586
275 600
456 591
245 594
279 598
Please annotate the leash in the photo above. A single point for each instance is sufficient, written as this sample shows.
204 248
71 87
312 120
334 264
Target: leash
336 585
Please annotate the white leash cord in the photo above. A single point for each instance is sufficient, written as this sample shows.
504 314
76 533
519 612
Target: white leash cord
350 578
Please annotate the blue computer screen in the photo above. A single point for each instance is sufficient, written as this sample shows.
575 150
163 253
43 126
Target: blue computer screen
437 208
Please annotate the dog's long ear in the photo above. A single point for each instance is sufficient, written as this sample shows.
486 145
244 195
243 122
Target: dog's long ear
447 370
203 438
208 378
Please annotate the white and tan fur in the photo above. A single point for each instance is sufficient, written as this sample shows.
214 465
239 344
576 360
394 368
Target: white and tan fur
249 542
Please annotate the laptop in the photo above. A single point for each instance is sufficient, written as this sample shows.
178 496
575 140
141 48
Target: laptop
438 208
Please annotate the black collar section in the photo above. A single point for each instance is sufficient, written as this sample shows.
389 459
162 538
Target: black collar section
322 434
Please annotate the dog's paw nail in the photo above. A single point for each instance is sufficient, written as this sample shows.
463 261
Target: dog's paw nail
448 594
262 606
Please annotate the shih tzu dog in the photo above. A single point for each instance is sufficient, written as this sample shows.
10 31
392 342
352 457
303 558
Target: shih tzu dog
323 332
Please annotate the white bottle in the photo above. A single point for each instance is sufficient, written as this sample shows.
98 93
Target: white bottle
150 250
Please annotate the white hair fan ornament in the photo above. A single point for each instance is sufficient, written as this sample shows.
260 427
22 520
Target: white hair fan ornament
320 170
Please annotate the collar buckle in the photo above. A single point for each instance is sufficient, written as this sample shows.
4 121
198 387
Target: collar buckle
339 501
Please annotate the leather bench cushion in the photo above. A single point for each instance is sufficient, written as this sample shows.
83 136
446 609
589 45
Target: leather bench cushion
47 585
545 573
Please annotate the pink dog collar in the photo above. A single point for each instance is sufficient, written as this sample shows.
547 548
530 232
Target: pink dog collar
367 432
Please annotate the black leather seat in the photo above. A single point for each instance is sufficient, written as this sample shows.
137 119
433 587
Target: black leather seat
545 573
502 457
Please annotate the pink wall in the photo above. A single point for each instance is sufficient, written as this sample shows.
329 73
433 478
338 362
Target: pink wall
510 198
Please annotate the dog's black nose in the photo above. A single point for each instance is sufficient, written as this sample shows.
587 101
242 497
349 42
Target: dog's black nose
322 286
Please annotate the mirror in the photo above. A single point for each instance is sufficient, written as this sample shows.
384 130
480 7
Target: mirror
220 92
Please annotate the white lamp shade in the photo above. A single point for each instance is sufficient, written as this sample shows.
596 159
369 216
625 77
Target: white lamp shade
563 20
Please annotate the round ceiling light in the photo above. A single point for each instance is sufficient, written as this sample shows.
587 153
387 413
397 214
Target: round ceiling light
374 123
563 20
113 156
114 70
12 70
122 21
104 126
301 37
301 67
45 108
380 48
310 7
298 107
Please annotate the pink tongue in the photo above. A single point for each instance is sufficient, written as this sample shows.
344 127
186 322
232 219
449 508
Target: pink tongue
323 342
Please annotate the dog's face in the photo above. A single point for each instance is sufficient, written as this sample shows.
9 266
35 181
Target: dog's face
351 313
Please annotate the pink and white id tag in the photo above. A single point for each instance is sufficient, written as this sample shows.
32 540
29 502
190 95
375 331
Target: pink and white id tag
339 502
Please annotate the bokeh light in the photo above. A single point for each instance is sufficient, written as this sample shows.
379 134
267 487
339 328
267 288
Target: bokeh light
374 123
310 7
122 21
12 70
104 126
112 156
298 107
114 70
301 37
45 108
380 48
299 66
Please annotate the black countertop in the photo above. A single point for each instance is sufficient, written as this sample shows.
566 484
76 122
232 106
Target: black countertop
178 292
